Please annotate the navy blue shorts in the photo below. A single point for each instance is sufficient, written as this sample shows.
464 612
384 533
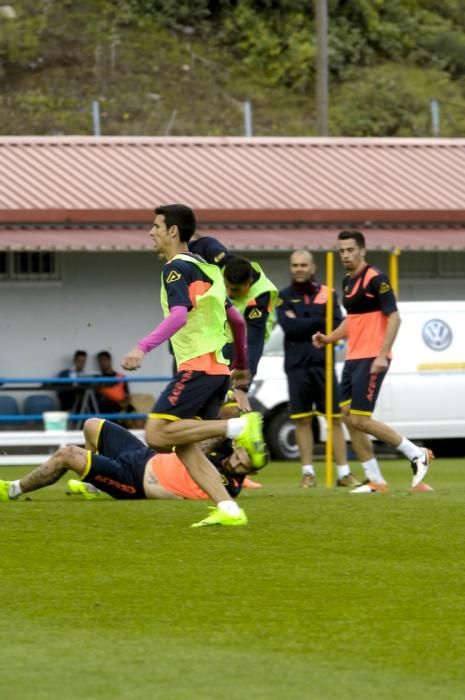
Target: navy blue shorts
307 392
118 467
192 395
359 387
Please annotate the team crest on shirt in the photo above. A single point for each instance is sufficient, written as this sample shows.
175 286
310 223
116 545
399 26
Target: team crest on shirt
384 287
255 313
173 277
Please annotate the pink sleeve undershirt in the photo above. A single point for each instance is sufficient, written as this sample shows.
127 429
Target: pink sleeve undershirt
176 319
238 328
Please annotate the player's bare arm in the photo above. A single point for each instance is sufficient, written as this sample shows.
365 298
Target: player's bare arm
242 400
240 379
380 363
319 339
133 359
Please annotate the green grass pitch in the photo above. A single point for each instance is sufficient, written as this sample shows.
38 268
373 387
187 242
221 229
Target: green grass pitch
324 596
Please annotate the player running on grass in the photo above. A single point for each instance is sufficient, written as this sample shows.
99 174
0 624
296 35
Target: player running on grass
116 462
370 327
193 299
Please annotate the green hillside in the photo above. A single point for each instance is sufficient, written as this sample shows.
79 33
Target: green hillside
186 67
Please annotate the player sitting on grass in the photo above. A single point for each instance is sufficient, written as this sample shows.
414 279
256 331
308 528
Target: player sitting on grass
116 462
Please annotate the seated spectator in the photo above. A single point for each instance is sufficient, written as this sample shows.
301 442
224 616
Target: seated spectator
112 398
69 395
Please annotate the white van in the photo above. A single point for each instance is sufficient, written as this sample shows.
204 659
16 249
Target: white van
422 396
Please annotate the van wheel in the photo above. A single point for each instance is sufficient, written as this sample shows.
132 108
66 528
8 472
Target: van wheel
280 436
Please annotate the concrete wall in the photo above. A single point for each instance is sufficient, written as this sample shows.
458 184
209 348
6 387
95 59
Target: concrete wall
107 301
104 302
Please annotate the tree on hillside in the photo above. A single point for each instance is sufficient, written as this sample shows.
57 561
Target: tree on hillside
154 65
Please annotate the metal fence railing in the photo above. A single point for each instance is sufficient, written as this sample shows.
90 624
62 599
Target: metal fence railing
88 400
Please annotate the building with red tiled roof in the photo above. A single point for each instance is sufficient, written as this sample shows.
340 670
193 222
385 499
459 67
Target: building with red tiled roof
76 267
66 193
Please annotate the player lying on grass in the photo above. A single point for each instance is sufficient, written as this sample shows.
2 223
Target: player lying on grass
119 464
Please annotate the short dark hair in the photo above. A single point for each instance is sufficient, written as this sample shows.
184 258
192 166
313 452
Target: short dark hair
104 353
238 271
181 216
224 450
221 452
78 353
358 237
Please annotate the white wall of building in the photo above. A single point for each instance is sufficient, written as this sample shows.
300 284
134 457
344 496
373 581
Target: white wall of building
107 301
104 302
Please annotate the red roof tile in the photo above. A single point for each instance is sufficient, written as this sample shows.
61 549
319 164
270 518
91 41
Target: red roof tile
233 180
240 239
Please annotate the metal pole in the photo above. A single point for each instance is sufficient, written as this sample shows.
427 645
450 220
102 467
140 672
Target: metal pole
248 131
435 118
329 371
96 117
321 16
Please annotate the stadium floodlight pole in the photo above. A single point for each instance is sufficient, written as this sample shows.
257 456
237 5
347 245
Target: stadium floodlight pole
321 17
394 270
329 371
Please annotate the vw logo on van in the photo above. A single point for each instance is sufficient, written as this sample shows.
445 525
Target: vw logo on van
437 334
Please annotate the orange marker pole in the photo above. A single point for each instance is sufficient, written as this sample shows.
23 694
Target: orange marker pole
329 371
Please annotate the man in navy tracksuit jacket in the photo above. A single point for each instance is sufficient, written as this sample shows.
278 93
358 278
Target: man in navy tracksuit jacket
301 312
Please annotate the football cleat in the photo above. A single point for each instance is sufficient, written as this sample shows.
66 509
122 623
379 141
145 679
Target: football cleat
421 487
420 466
4 487
308 481
370 487
80 488
348 480
252 439
220 517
